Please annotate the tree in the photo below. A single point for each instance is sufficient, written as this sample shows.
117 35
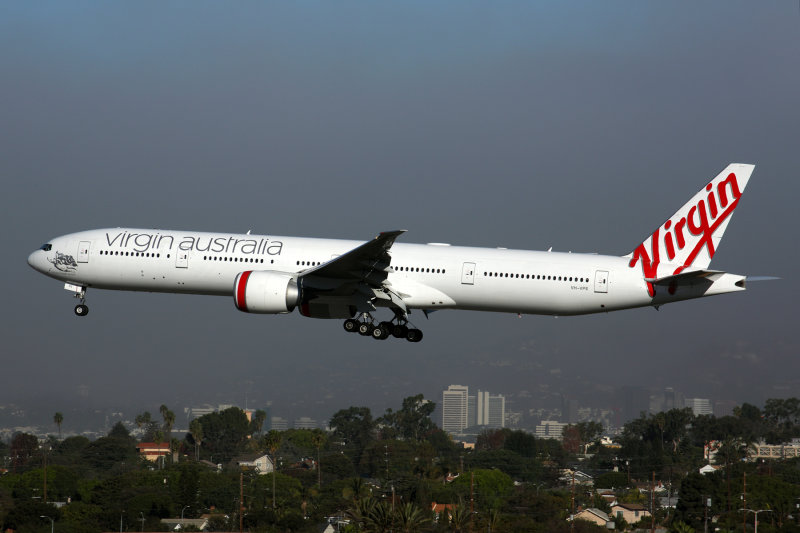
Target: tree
24 447
682 527
318 439
411 422
491 487
169 421
589 432
117 450
379 518
354 427
259 417
410 517
145 420
224 434
26 516
58 418
361 510
459 517
571 439
492 439
273 442
196 431
611 480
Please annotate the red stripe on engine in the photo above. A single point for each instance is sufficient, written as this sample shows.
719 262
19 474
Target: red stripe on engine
241 303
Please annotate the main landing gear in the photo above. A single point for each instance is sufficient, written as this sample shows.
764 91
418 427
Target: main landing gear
382 330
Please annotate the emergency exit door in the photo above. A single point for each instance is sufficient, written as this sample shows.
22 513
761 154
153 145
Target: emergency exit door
468 274
601 281
83 251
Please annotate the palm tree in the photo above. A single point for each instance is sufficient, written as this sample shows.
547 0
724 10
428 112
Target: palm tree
360 511
143 419
492 520
380 518
259 417
682 527
459 517
355 486
410 517
169 421
159 438
196 429
318 439
58 418
273 442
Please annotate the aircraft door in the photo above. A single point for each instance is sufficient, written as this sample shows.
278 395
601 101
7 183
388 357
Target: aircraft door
468 274
182 259
83 251
601 281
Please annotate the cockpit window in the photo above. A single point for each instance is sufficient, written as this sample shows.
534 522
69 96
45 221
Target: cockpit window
46 247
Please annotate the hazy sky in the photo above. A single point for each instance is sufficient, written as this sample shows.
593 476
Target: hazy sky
576 125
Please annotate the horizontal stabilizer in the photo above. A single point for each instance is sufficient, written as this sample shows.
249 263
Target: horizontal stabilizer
762 278
686 277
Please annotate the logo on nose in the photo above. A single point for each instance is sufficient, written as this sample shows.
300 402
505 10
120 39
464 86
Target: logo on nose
64 262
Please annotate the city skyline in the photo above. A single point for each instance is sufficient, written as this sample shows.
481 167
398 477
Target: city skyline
517 415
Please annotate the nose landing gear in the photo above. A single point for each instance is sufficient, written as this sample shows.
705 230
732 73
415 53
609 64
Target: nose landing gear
79 292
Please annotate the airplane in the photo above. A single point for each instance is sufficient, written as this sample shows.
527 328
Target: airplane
350 280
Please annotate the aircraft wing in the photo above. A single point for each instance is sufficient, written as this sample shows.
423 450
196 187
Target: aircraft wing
367 263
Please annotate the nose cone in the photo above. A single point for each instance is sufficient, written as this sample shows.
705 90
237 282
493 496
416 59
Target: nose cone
36 260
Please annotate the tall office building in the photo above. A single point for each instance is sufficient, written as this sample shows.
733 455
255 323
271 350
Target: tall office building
472 411
305 422
455 401
569 410
635 401
699 406
491 410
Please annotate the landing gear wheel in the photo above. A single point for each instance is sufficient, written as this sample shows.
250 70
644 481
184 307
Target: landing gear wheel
414 335
365 328
81 310
379 333
350 325
400 331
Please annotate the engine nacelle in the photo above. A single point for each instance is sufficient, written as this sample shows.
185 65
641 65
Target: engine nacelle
260 291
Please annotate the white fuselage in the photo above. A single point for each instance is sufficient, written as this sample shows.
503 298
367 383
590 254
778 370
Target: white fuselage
429 276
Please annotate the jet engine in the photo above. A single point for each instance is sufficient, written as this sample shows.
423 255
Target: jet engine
264 291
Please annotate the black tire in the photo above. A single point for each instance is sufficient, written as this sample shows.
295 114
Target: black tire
365 329
81 310
414 335
378 333
400 331
350 325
